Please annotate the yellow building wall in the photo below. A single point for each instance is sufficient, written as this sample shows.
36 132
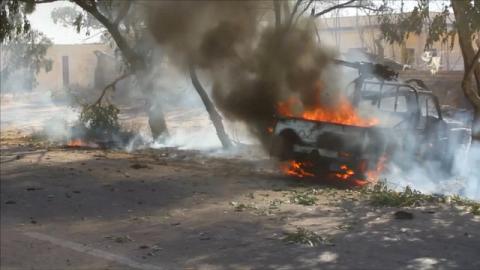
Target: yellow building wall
345 33
81 61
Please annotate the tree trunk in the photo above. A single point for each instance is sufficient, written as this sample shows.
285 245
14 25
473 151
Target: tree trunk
278 13
134 60
156 119
476 127
210 107
470 61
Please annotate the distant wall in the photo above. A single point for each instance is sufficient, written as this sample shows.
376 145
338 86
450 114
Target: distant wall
72 65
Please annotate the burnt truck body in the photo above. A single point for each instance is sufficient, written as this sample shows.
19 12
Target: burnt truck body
410 128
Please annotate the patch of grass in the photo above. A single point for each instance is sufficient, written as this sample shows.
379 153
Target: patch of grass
119 239
305 237
240 207
382 195
304 198
275 204
100 119
472 206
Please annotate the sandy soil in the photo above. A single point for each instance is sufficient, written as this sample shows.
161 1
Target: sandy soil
171 209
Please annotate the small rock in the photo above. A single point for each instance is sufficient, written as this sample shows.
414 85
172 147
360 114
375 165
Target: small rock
403 215
33 188
143 247
137 166
10 202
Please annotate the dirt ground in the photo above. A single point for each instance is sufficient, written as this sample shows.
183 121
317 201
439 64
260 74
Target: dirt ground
170 209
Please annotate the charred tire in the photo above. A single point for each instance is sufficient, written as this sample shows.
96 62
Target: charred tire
282 145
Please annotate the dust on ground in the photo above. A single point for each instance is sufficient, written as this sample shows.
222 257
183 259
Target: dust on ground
64 208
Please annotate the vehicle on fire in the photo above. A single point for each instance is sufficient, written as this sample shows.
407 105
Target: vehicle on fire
410 129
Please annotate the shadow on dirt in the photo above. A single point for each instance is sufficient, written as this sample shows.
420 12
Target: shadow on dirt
191 222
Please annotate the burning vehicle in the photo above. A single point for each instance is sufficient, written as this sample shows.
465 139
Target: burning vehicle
382 119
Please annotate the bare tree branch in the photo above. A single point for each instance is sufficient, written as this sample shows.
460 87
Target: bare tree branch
132 57
339 6
292 15
278 13
112 86
303 11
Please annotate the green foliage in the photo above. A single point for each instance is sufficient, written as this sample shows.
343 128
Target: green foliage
305 237
23 56
13 18
381 195
100 119
72 16
472 206
304 198
397 27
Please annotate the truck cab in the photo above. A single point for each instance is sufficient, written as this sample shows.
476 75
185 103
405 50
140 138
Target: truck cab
410 128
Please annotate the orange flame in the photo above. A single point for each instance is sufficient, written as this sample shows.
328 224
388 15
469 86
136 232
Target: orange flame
295 168
80 143
346 173
373 175
76 143
344 113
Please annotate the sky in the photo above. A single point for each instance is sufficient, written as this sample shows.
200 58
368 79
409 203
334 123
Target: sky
42 21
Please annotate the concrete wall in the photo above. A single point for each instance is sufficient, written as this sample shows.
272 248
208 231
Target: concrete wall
346 33
82 63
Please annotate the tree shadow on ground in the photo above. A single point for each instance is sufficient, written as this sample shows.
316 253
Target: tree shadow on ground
192 224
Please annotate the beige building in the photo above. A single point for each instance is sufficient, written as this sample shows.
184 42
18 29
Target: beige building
75 65
356 33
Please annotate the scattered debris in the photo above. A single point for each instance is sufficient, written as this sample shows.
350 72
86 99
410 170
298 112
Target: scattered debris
306 237
275 204
239 207
119 239
137 166
204 236
403 215
33 188
304 198
345 227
